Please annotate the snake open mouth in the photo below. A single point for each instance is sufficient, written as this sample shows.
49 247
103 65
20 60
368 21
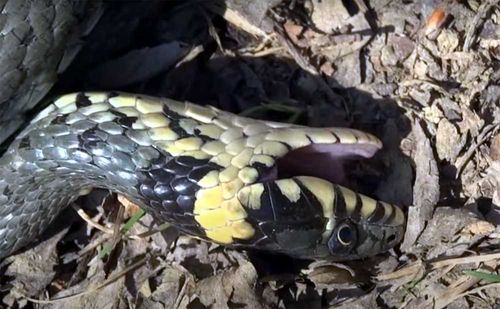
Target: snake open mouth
326 161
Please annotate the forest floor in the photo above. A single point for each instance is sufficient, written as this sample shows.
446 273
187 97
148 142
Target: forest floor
423 76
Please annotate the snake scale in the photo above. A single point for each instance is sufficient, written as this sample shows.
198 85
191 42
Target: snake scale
214 175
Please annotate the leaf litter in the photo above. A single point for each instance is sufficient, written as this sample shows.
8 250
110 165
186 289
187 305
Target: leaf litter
423 76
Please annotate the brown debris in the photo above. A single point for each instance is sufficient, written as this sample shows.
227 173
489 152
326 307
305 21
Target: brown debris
435 20
421 75
426 188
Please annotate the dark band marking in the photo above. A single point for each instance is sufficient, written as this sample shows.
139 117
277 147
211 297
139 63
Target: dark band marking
312 201
171 114
356 213
176 127
82 100
339 208
266 210
160 175
117 113
198 173
113 94
94 135
336 136
356 138
176 169
7 191
190 161
127 121
61 119
309 138
25 142
378 214
123 119
391 217
203 137
263 171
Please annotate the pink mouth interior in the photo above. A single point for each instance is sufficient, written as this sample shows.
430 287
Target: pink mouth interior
326 161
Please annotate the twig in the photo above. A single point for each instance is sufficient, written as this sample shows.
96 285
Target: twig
455 290
466 260
143 235
181 293
110 280
117 236
481 138
434 85
89 220
193 53
478 289
94 244
362 6
239 21
450 294
483 9
292 50
303 62
264 52
213 32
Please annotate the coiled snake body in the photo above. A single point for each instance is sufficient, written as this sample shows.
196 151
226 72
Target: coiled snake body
228 179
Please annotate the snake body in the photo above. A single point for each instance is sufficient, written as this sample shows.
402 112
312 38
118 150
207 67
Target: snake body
212 174
38 39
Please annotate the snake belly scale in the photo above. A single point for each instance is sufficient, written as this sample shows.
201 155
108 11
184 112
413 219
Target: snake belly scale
212 174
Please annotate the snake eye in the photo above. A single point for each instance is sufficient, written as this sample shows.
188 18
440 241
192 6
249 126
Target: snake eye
344 238
345 235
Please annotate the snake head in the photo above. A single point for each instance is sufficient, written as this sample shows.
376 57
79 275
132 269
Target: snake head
276 189
300 209
310 217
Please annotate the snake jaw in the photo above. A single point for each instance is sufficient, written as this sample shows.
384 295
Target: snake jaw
326 161
316 210
307 177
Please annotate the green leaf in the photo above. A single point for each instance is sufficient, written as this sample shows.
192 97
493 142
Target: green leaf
490 277
133 220
104 251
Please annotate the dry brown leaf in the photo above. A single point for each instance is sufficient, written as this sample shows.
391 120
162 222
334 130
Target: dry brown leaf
425 190
324 274
448 141
447 41
233 286
481 228
495 148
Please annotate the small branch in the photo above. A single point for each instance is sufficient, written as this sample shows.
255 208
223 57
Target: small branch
483 9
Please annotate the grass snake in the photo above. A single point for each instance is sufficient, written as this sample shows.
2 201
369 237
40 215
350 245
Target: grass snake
214 175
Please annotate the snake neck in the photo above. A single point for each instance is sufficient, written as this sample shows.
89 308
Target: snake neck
36 184
51 163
